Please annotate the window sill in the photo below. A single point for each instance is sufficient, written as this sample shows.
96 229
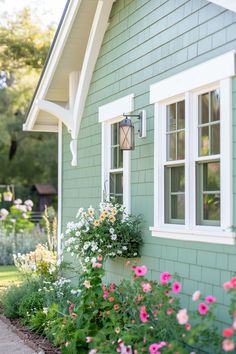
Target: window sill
204 234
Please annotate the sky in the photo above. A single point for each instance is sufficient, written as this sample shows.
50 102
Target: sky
49 10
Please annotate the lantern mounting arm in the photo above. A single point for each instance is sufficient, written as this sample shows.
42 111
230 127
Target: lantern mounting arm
142 122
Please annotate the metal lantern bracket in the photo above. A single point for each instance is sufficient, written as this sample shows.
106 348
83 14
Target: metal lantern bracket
142 122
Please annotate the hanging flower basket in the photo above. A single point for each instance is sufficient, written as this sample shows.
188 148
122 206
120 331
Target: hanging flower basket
7 196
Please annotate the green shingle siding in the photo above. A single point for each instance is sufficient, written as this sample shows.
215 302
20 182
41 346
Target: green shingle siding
147 41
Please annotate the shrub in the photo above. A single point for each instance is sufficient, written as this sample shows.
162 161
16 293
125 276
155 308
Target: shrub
12 298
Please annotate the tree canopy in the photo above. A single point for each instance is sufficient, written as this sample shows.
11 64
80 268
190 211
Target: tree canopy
24 156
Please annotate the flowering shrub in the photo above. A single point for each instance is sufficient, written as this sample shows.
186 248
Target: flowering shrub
16 220
106 232
42 261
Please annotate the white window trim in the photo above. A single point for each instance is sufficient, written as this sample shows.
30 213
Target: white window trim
163 93
109 114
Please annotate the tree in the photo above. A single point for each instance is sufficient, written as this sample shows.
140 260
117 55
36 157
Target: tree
24 157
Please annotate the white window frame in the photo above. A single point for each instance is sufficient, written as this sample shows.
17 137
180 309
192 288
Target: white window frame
109 114
215 73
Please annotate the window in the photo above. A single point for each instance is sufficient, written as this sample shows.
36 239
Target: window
192 153
116 166
175 166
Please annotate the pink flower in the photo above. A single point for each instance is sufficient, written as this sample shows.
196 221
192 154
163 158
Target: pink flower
227 285
140 271
169 311
153 348
143 314
182 317
176 287
196 295
89 339
188 326
228 345
146 287
98 265
233 282
165 277
105 294
99 258
228 332
203 308
210 299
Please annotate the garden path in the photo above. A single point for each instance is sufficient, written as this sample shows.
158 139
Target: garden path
10 343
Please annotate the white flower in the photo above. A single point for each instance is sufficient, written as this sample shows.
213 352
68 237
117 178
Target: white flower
87 259
72 254
45 310
113 237
124 248
93 260
80 211
17 201
77 233
135 254
111 230
87 284
29 203
119 252
68 249
86 245
109 246
3 213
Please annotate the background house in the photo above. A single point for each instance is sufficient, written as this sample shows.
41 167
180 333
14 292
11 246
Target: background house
174 59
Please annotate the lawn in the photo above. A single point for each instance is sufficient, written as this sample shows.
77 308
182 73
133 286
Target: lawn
8 275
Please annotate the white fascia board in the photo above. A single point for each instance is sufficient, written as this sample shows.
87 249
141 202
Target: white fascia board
53 60
210 71
96 36
227 4
116 108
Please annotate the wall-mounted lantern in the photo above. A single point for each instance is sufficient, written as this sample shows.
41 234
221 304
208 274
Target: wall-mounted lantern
127 141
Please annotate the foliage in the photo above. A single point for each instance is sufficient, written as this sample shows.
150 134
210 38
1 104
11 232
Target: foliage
13 296
106 232
24 45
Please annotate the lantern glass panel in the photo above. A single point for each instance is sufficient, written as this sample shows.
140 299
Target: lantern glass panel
126 137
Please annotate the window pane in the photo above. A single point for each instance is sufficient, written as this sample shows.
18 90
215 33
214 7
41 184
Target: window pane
174 195
204 108
208 193
181 115
114 161
215 139
120 158
177 207
211 176
177 179
114 135
215 105
181 145
171 117
116 186
211 207
204 141
171 141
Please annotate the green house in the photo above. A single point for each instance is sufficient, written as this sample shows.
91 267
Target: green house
174 61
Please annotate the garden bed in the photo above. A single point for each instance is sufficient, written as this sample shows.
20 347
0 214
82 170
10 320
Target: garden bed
38 343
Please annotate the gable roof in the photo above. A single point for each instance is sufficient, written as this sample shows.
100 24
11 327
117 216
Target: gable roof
73 53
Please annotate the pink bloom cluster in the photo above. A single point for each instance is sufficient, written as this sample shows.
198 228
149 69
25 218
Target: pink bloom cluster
230 284
154 347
